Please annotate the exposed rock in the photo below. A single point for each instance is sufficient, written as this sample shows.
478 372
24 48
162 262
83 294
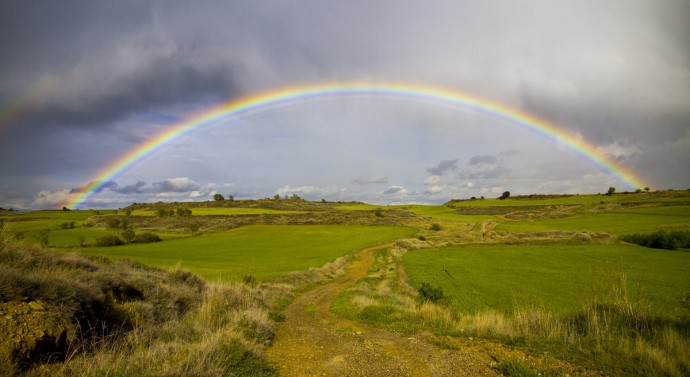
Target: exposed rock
30 332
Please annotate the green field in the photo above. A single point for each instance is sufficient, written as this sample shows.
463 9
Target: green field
263 251
446 213
559 278
30 224
646 219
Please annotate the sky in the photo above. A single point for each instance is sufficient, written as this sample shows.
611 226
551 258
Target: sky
82 83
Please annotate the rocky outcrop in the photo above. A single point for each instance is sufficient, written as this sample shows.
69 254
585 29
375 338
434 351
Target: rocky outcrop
29 332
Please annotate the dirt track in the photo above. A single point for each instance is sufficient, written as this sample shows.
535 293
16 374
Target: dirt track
314 342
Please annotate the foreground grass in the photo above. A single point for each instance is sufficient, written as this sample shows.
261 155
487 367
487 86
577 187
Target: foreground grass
261 251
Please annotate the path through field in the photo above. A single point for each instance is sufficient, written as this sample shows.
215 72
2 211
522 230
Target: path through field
314 342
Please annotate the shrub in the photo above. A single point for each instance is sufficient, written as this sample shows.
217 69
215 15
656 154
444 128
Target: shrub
430 293
109 240
435 227
128 235
43 238
661 239
147 237
114 223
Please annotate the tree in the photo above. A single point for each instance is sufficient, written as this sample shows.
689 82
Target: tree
231 198
611 191
505 195
218 197
646 189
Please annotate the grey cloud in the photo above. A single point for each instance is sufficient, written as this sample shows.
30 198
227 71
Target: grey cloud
369 180
135 188
443 167
483 159
393 190
178 185
106 185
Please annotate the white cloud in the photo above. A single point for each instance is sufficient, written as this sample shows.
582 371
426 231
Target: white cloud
48 198
432 180
309 192
435 189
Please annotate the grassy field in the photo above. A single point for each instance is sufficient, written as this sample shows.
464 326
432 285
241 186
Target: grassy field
616 222
263 251
446 213
559 278
30 224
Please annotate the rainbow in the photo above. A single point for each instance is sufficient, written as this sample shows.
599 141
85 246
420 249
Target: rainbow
275 99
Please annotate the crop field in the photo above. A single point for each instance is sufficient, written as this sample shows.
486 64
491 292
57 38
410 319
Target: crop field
262 251
30 224
559 278
615 222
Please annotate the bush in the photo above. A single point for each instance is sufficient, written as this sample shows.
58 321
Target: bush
430 293
435 227
114 223
109 240
147 237
661 239
128 235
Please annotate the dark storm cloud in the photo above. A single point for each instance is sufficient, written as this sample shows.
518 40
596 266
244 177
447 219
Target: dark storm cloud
443 167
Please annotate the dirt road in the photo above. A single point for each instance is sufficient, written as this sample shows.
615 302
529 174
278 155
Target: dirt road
314 342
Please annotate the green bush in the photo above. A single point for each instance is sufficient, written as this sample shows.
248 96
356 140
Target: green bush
661 239
435 227
147 237
109 240
430 293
